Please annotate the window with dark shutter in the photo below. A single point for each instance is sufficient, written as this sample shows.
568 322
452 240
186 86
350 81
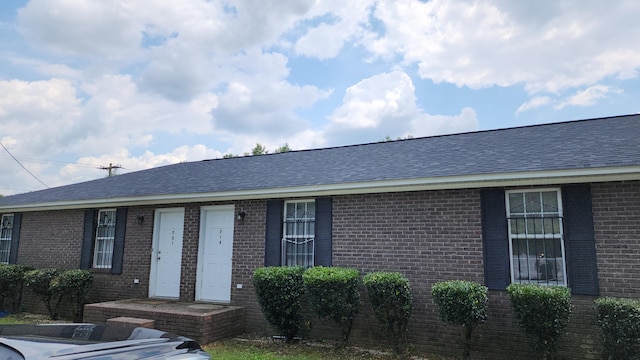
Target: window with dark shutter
103 239
298 233
577 237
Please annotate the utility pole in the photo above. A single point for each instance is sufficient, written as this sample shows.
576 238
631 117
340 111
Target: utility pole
111 168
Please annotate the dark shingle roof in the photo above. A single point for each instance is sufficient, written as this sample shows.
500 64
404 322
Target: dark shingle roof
585 144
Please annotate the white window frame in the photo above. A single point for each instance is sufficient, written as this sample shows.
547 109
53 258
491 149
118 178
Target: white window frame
530 265
104 239
6 236
298 236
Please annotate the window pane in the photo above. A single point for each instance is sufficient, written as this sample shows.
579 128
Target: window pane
532 202
550 202
299 233
6 234
515 203
311 210
105 235
536 238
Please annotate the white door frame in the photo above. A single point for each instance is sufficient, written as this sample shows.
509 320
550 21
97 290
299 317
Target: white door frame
201 249
153 271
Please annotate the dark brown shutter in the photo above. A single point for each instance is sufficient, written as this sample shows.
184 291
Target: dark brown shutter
579 240
118 241
323 246
495 239
273 236
87 238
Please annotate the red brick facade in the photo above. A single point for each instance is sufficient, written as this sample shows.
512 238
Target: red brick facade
427 235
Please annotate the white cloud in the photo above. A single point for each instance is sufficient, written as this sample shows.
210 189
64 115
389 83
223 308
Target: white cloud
534 103
92 28
492 43
371 101
341 22
588 96
385 105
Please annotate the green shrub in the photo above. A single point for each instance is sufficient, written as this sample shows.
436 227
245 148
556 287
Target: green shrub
391 299
541 311
11 285
461 303
333 293
39 281
619 320
74 286
279 290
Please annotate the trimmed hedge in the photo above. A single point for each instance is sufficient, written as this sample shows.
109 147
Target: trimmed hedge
279 290
11 285
461 303
541 311
74 286
392 301
39 281
333 293
53 286
619 320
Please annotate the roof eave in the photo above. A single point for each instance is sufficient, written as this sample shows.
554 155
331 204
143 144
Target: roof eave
556 177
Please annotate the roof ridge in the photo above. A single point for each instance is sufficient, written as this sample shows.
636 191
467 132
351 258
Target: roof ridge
555 123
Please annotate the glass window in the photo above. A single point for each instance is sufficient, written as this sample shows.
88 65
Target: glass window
298 233
6 234
105 234
535 237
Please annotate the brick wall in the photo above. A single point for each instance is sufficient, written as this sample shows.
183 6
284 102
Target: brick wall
51 239
616 214
436 235
429 236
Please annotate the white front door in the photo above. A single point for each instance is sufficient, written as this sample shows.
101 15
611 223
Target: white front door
166 257
214 254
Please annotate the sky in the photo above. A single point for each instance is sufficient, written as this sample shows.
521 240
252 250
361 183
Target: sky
141 84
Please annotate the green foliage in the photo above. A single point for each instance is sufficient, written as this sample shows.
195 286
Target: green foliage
333 293
619 320
279 290
11 285
74 285
283 148
39 282
461 303
53 286
542 311
391 298
259 149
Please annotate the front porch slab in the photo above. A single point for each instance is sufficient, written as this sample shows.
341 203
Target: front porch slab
202 322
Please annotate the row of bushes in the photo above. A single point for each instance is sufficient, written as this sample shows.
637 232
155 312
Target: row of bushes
333 293
51 286
541 311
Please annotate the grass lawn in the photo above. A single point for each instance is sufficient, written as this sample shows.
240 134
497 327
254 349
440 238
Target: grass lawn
266 349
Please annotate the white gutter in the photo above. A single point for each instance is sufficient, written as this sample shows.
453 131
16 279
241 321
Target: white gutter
554 177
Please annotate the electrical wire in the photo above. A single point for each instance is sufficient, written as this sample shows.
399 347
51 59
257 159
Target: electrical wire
19 163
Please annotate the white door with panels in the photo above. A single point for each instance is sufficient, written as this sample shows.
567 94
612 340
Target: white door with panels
166 256
213 281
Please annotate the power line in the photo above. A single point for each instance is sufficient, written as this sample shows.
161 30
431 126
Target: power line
41 161
25 169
